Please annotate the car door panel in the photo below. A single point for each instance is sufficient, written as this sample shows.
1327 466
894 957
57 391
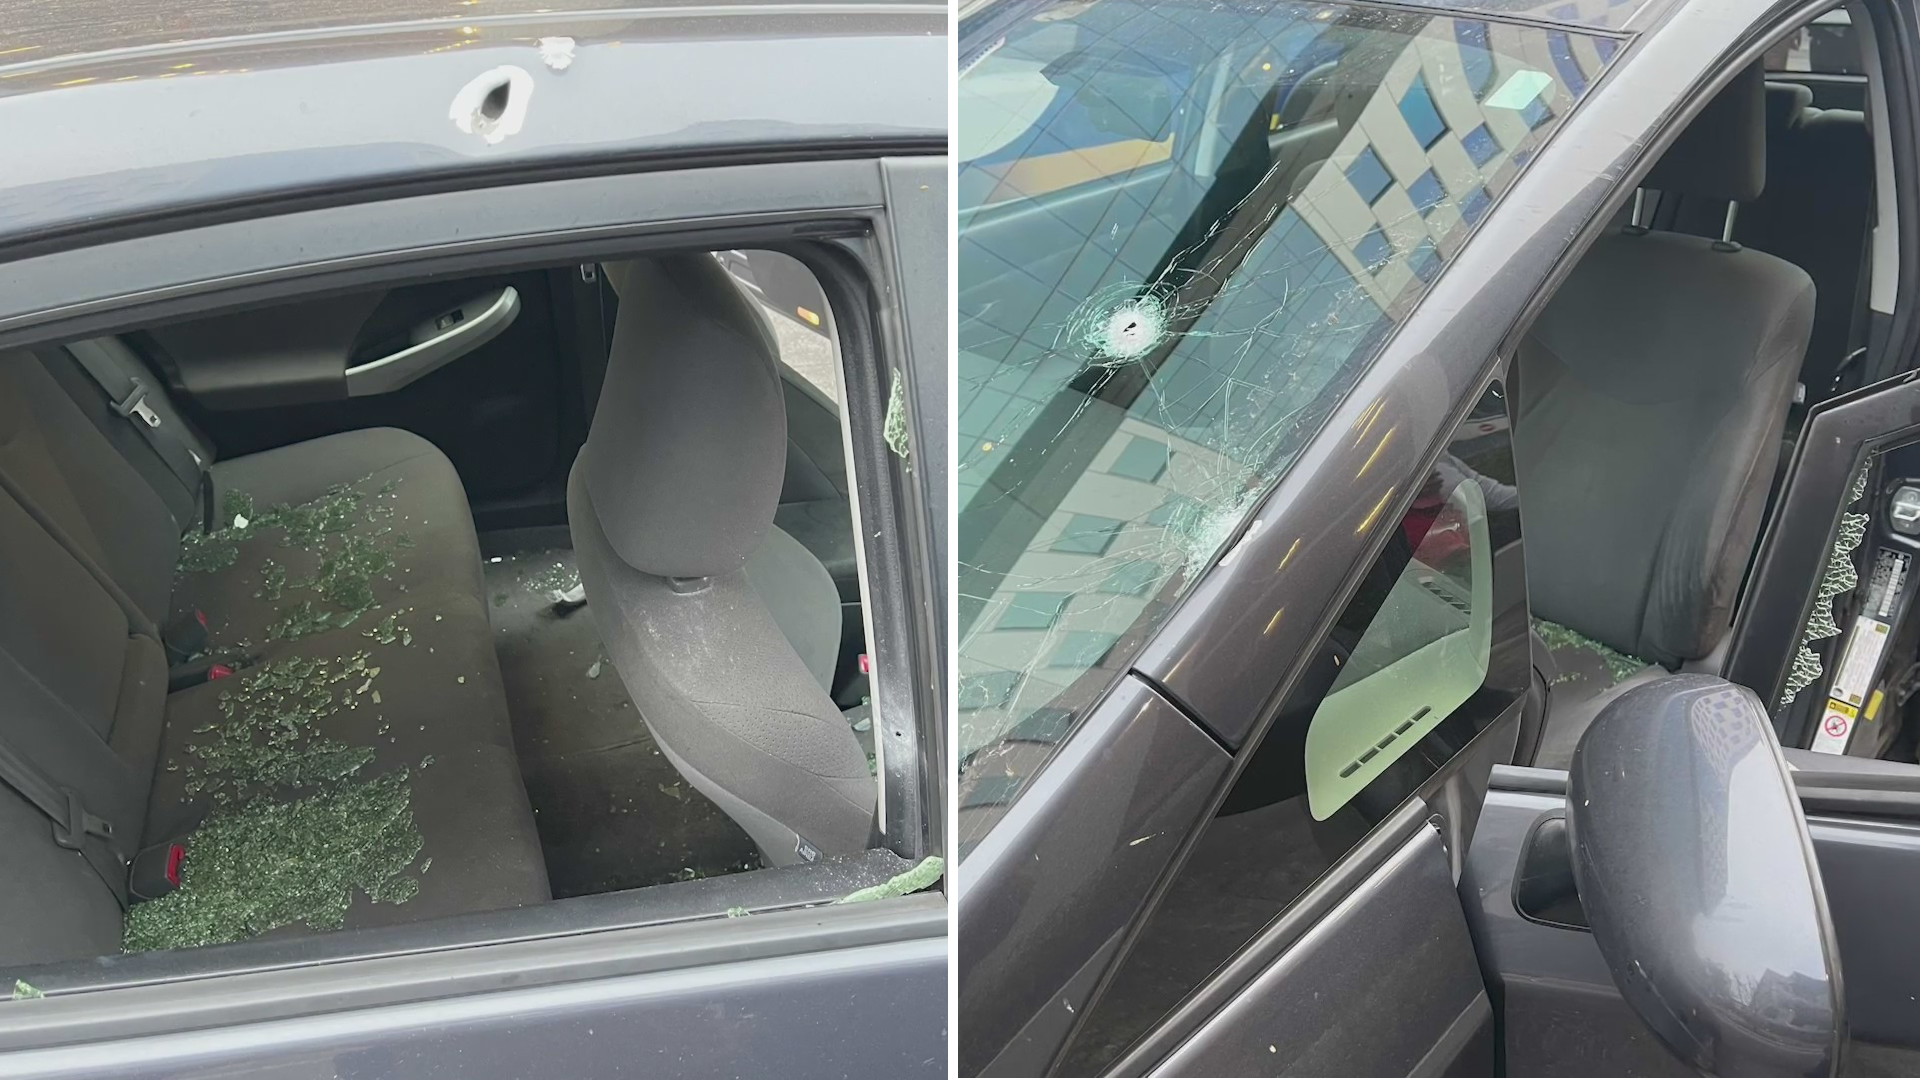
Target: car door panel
1281 966
1400 937
1842 435
741 1018
917 193
1561 1012
1065 869
1050 1028
262 357
271 375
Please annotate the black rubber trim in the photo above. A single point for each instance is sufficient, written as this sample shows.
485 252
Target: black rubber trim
183 216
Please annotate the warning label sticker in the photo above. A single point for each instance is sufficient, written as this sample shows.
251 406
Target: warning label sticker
1836 724
1889 576
1854 680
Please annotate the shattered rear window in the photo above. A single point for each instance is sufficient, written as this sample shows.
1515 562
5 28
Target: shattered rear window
1185 230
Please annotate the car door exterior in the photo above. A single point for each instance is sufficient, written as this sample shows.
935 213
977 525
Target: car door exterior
1122 907
608 984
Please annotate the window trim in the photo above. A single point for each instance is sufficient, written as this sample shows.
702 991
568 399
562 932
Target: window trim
291 991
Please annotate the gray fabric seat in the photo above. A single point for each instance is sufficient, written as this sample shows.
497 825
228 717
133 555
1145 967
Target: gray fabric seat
723 628
93 533
1651 396
1815 213
409 481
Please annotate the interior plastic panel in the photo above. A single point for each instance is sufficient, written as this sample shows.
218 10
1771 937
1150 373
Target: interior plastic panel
325 349
1400 938
435 342
258 357
1423 656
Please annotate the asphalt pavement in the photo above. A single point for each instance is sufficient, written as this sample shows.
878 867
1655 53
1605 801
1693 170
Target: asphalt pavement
806 351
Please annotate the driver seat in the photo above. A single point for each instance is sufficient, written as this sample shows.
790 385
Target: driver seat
1652 393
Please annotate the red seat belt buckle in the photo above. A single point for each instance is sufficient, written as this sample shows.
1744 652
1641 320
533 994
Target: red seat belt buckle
155 871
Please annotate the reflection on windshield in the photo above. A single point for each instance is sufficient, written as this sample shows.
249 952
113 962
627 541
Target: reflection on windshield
1185 228
1426 654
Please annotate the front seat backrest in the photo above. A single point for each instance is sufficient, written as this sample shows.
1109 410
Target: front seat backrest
671 498
1652 394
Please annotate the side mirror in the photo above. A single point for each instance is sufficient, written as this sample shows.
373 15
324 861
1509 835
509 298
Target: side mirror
1697 874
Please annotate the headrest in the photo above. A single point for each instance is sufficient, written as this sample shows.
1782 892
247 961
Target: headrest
687 450
1723 153
1785 103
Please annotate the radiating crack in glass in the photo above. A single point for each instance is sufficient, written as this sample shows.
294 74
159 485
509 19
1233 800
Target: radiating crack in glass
1155 318
1262 335
1120 328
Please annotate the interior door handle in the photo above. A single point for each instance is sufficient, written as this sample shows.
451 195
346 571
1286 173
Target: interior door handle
437 342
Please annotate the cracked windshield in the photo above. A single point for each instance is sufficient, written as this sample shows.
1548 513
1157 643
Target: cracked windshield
1185 229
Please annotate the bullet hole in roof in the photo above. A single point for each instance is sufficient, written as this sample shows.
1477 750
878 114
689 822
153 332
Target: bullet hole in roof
494 105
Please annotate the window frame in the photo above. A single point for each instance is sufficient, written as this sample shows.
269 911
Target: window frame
837 217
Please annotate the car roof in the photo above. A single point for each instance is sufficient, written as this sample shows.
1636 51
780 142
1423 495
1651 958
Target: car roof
41 32
124 115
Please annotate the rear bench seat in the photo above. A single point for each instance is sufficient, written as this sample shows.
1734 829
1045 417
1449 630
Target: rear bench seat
364 606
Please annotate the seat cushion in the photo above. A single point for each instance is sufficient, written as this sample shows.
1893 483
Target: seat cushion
415 736
336 532
345 583
359 768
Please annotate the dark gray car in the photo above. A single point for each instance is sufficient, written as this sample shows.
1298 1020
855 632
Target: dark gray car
331 335
1419 463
